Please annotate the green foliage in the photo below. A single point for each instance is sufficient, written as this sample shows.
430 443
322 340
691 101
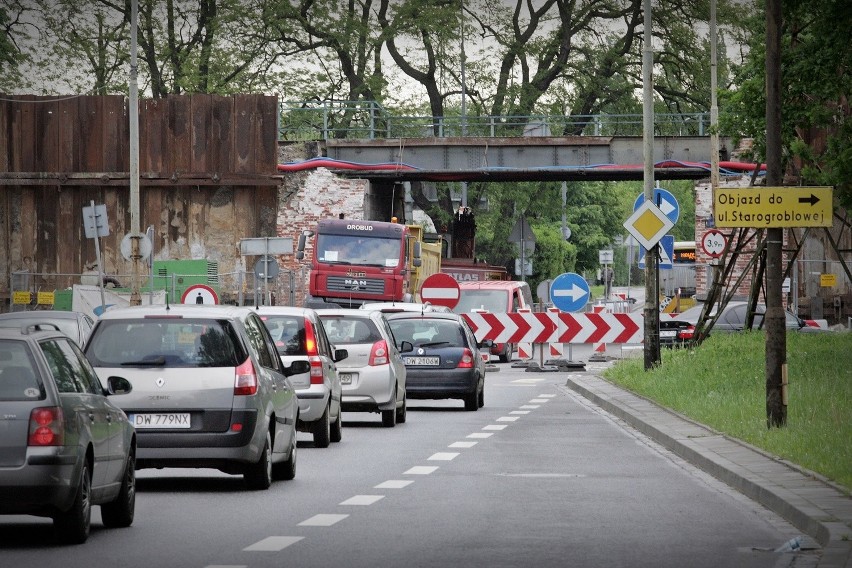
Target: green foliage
722 384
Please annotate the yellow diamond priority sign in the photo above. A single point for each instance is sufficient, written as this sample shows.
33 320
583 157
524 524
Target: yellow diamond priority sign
648 224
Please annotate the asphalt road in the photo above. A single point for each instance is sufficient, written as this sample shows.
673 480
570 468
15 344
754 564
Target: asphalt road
539 478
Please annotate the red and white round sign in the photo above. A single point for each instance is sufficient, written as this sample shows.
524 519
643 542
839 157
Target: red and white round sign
713 243
441 290
199 294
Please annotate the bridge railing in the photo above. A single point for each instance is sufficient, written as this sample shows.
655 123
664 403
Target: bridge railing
301 121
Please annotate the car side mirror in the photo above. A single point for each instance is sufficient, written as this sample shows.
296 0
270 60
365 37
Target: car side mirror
406 347
489 343
118 385
340 354
297 368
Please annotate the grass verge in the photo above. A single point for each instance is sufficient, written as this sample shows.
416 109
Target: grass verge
723 384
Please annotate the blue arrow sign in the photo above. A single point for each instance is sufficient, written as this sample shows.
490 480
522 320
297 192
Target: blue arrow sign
664 200
666 254
569 292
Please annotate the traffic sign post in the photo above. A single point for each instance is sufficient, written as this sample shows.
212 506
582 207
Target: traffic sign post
570 292
648 224
441 290
666 251
663 199
713 243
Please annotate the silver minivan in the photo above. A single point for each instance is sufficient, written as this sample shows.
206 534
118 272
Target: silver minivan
373 376
209 390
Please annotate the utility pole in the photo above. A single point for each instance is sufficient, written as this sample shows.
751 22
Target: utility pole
774 322
133 112
652 289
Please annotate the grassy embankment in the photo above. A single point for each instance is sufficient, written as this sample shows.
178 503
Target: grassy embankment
722 384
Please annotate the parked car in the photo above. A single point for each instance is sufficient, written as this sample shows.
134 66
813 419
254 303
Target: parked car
76 325
392 307
444 359
209 390
300 336
373 376
64 445
680 329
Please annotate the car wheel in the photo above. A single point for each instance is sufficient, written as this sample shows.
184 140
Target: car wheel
337 427
389 416
287 469
471 400
120 512
402 412
73 525
259 475
482 396
506 355
322 429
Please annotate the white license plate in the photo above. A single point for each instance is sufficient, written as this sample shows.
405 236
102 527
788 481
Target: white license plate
160 420
414 361
668 333
345 378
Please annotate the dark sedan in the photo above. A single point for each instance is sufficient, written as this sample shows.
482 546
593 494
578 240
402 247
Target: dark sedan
680 329
445 361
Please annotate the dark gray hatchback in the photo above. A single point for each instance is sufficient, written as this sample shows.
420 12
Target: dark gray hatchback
64 446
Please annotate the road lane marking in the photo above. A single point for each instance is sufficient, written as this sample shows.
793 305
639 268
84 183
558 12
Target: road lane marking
462 444
322 520
528 381
273 543
538 400
362 500
507 418
421 470
480 435
531 406
494 427
546 395
393 484
443 456
520 412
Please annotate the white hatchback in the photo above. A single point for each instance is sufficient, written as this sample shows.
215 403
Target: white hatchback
373 375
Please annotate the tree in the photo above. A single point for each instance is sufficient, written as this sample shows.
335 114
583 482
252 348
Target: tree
13 33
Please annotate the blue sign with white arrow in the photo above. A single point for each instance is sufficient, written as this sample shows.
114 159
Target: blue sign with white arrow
666 249
664 200
569 292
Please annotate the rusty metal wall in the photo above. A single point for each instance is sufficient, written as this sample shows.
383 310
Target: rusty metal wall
208 178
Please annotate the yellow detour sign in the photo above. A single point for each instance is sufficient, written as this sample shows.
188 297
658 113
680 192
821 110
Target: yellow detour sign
21 298
43 298
773 207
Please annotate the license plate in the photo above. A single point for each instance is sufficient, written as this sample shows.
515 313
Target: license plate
415 361
345 378
160 420
668 333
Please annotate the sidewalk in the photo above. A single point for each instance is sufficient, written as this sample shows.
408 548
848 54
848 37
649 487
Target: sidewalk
811 504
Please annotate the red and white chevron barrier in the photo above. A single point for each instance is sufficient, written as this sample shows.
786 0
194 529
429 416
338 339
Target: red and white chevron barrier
561 327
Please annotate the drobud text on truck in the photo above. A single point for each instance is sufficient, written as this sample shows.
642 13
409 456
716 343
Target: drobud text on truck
357 261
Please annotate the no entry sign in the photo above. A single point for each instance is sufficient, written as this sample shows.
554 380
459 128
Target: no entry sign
441 290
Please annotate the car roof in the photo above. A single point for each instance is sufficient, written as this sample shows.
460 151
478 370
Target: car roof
283 311
23 333
41 314
183 310
426 315
393 307
346 312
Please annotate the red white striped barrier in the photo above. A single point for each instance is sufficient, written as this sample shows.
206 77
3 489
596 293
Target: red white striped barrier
561 327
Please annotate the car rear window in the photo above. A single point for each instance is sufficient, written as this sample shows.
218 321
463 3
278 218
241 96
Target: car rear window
423 330
165 342
288 332
350 331
18 376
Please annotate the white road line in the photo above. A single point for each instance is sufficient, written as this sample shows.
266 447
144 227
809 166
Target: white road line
226 566
520 412
546 395
393 484
443 456
322 520
462 444
507 418
531 381
362 500
538 400
421 470
531 406
480 435
494 427
273 543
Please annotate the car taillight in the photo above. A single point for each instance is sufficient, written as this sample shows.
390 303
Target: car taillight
245 382
313 353
379 354
686 333
46 427
466 361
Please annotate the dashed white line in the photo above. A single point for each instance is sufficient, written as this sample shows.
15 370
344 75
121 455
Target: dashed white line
507 418
462 444
530 406
527 381
421 470
443 456
362 500
546 395
322 520
394 484
520 412
494 427
273 543
538 400
480 435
